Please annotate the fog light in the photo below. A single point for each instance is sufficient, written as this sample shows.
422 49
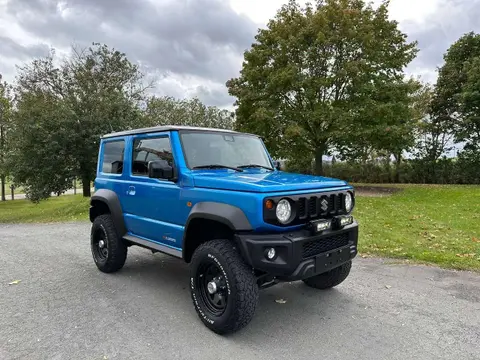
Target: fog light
323 225
346 220
270 253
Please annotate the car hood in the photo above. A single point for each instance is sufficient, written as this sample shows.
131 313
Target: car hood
256 181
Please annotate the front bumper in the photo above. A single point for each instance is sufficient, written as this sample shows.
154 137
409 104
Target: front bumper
300 254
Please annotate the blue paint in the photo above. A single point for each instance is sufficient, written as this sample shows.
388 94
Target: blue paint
157 210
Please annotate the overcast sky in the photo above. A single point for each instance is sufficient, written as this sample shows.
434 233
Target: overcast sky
194 46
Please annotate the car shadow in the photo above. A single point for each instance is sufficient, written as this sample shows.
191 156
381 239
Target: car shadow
285 307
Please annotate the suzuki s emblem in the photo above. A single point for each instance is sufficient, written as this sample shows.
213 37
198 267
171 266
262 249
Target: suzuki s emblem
324 204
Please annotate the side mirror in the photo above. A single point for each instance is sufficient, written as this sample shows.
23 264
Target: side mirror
277 164
159 169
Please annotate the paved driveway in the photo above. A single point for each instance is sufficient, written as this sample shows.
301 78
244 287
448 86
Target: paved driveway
64 308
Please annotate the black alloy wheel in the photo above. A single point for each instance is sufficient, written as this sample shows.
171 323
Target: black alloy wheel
213 287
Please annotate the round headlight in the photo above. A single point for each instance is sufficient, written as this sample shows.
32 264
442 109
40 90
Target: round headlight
348 202
283 211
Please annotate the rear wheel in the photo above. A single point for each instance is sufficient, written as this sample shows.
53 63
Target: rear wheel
109 251
330 278
223 288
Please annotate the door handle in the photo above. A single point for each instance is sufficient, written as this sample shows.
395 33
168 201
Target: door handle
131 190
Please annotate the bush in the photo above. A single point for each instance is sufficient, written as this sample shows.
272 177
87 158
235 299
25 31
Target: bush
464 170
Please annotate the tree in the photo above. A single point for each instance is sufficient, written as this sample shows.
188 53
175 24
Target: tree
192 112
42 158
6 110
456 102
308 80
93 92
411 101
387 124
434 139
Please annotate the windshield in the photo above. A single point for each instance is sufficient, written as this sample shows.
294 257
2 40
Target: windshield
232 150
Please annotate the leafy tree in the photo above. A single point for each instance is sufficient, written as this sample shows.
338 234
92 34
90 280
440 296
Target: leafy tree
192 112
434 139
456 102
92 92
388 125
315 77
42 160
6 111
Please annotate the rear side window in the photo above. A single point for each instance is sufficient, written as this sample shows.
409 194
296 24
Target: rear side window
113 157
146 150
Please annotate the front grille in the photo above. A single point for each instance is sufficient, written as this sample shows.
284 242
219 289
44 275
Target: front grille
307 207
315 247
319 206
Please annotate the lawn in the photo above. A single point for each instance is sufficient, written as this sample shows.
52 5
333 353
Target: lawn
55 209
429 224
421 223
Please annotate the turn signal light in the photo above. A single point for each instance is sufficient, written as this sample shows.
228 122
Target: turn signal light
269 204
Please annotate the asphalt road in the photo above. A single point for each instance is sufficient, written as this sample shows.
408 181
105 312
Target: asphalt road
64 308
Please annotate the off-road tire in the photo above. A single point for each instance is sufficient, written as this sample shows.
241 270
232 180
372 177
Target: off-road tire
116 247
330 278
241 286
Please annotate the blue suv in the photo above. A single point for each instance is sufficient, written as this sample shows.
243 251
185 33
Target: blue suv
217 200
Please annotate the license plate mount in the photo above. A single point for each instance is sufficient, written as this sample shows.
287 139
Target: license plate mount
331 259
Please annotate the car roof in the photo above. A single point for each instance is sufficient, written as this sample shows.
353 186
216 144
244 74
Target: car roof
167 128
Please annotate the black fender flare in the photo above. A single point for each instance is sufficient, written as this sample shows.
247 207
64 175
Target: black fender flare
109 198
229 215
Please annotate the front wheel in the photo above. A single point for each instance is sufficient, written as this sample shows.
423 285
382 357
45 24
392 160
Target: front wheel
330 278
223 288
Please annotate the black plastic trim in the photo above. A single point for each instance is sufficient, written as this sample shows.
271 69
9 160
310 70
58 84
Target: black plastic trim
110 198
229 215
289 263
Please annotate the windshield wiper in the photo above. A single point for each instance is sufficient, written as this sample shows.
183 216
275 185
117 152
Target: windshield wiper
255 166
217 166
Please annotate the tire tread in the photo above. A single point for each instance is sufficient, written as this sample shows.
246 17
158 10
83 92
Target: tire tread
244 281
117 248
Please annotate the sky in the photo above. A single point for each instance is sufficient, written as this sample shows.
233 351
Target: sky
192 47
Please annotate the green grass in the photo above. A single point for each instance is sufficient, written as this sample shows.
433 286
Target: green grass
55 209
430 224
422 223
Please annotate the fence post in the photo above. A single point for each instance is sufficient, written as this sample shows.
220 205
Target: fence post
11 189
75 186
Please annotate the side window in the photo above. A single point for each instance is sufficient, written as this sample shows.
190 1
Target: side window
146 150
113 157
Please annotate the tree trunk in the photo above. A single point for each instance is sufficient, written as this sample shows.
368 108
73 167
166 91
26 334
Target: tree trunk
398 161
86 186
2 185
319 152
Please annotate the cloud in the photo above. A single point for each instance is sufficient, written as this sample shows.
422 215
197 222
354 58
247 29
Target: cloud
194 46
214 95
11 49
439 30
196 37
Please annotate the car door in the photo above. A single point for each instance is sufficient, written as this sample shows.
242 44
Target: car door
151 205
